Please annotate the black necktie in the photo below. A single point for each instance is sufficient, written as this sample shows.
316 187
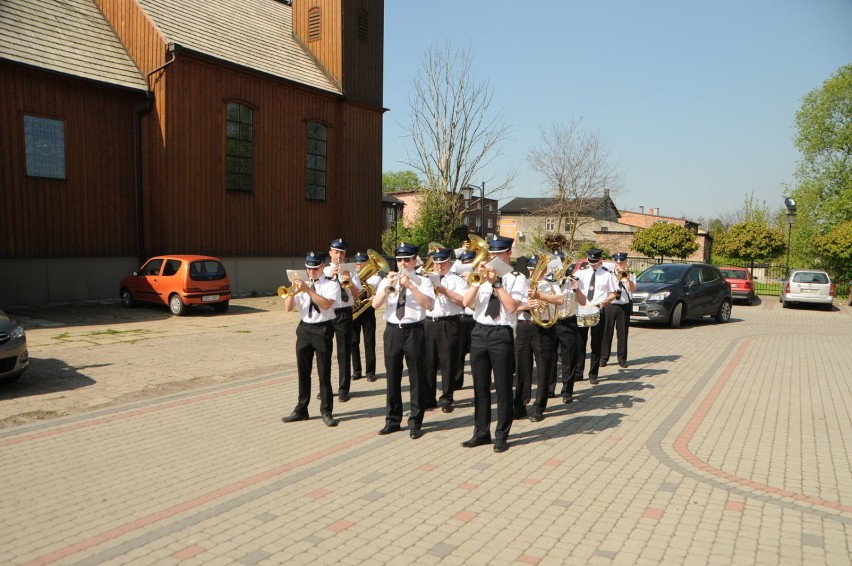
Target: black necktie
591 292
344 296
313 309
400 305
493 308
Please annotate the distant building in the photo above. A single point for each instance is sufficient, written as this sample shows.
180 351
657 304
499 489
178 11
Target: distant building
472 216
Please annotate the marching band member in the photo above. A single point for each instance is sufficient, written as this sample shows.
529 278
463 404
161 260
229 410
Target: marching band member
365 324
466 322
618 312
405 309
600 285
441 330
492 345
566 335
343 314
315 300
532 343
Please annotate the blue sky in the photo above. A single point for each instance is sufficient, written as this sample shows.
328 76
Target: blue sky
696 101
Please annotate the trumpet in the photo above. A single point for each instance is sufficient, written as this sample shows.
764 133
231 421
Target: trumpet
474 279
291 291
429 265
623 275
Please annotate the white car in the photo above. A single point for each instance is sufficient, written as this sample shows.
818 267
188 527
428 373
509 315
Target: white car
808 286
14 357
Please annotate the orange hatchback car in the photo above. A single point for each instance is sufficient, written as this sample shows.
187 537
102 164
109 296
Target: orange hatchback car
178 281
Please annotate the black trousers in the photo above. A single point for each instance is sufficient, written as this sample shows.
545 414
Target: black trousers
533 343
466 324
566 339
314 339
618 320
343 343
442 343
365 324
492 351
404 344
596 332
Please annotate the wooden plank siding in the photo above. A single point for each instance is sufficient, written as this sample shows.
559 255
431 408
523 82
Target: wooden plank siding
187 206
92 211
142 40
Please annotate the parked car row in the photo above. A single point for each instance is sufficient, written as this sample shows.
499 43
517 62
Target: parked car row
674 292
14 357
809 286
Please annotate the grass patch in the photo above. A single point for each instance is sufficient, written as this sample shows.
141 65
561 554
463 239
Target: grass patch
113 332
63 336
243 331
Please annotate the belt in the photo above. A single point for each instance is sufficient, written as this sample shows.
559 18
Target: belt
440 318
569 320
323 323
465 317
405 325
525 321
493 325
342 310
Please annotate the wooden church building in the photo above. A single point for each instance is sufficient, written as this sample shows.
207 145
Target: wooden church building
250 130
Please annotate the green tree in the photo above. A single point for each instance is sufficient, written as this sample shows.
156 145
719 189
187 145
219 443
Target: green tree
665 240
824 191
835 251
750 241
400 181
436 221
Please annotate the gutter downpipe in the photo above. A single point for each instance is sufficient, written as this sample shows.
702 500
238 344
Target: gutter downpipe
141 252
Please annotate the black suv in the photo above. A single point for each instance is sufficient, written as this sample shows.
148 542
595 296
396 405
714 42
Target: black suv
673 292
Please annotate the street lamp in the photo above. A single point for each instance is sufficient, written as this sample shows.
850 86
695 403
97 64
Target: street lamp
395 224
467 194
791 217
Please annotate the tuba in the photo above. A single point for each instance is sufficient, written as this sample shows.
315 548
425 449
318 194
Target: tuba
429 265
474 279
375 263
535 277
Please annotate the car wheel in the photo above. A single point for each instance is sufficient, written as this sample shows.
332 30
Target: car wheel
677 316
127 298
751 299
221 307
724 312
176 305
785 304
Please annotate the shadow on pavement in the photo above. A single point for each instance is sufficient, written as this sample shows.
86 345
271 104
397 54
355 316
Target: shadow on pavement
45 376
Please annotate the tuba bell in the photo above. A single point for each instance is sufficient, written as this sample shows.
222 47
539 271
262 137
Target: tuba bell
566 309
542 259
429 265
374 264
474 279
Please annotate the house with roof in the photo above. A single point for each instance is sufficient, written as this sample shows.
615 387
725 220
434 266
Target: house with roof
476 211
246 129
530 220
643 219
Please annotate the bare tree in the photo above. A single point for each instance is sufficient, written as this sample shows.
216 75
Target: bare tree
455 134
578 175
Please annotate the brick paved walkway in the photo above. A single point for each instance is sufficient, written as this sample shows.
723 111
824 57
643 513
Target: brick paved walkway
720 444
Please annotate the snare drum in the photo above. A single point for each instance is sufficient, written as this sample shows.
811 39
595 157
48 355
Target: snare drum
588 315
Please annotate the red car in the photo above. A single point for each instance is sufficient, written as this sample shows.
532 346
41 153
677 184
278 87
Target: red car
742 284
178 281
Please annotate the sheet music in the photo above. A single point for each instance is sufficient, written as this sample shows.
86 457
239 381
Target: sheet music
297 274
499 266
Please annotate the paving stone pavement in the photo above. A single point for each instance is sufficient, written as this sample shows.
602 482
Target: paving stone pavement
720 444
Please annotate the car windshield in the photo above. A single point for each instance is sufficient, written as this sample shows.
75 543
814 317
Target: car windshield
206 270
733 274
809 277
662 274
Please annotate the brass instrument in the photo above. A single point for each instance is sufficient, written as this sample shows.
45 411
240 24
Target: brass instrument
474 279
429 265
542 259
566 309
285 292
623 275
375 263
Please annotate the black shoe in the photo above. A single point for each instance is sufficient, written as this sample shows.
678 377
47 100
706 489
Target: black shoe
446 407
344 396
391 428
593 379
329 420
567 399
535 417
604 364
357 375
371 377
623 364
500 445
294 416
430 405
415 433
474 442
551 395
520 413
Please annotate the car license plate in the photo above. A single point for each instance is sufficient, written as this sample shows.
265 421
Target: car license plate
635 308
209 298
810 291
